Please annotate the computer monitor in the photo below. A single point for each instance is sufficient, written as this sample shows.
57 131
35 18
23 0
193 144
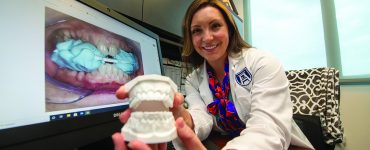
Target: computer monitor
62 62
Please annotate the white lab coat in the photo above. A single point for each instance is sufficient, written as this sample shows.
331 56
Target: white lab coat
262 102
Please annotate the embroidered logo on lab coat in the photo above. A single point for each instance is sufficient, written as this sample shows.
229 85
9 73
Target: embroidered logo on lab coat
244 77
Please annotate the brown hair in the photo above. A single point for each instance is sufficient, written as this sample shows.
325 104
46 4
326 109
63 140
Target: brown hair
236 42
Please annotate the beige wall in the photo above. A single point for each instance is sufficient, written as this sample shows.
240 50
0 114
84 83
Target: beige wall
355 115
239 7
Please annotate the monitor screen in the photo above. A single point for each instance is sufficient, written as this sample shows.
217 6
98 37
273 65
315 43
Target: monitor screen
62 62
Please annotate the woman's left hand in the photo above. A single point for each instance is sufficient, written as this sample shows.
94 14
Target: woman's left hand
119 139
119 144
185 133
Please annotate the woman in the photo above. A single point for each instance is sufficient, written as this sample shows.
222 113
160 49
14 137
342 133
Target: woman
236 90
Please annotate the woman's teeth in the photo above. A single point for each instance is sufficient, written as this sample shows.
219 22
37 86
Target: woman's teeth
111 50
209 47
100 42
107 72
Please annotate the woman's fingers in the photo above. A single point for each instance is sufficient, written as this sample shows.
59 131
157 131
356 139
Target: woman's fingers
187 135
138 145
121 93
179 111
119 144
118 141
178 100
177 105
162 146
123 117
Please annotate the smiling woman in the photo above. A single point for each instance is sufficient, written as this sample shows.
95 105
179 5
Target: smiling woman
236 91
210 35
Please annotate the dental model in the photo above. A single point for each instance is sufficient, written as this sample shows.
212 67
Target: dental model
150 98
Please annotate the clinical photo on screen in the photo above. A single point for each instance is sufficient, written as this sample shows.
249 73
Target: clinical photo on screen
85 64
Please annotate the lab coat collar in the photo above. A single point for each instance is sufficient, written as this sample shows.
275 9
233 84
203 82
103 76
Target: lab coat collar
235 58
204 85
204 91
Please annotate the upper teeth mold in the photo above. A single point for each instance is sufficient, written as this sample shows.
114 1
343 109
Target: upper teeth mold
150 98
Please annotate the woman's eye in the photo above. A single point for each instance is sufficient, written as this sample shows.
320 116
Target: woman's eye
194 31
216 25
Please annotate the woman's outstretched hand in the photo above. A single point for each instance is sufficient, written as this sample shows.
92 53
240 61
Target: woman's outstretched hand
184 132
177 110
186 135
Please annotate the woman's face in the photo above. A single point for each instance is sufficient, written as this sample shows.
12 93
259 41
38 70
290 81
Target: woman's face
210 35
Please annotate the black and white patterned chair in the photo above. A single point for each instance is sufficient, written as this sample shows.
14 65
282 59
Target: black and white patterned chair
315 94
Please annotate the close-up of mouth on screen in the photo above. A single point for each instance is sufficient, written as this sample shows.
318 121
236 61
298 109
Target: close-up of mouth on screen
85 64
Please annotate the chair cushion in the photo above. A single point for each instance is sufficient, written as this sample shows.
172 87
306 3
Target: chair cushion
315 92
311 127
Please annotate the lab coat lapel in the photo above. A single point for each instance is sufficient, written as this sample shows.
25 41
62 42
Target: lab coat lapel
204 90
235 64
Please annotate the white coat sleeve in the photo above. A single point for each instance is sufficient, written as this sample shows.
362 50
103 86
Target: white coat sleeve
202 121
269 125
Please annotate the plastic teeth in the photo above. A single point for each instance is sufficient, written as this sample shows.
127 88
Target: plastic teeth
151 96
150 127
151 88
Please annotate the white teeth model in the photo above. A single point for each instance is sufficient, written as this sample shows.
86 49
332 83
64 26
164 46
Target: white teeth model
150 97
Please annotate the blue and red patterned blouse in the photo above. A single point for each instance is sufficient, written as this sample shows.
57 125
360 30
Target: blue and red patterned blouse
222 106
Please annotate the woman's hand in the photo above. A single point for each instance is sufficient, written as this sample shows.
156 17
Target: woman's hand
177 110
187 136
119 144
119 139
185 133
